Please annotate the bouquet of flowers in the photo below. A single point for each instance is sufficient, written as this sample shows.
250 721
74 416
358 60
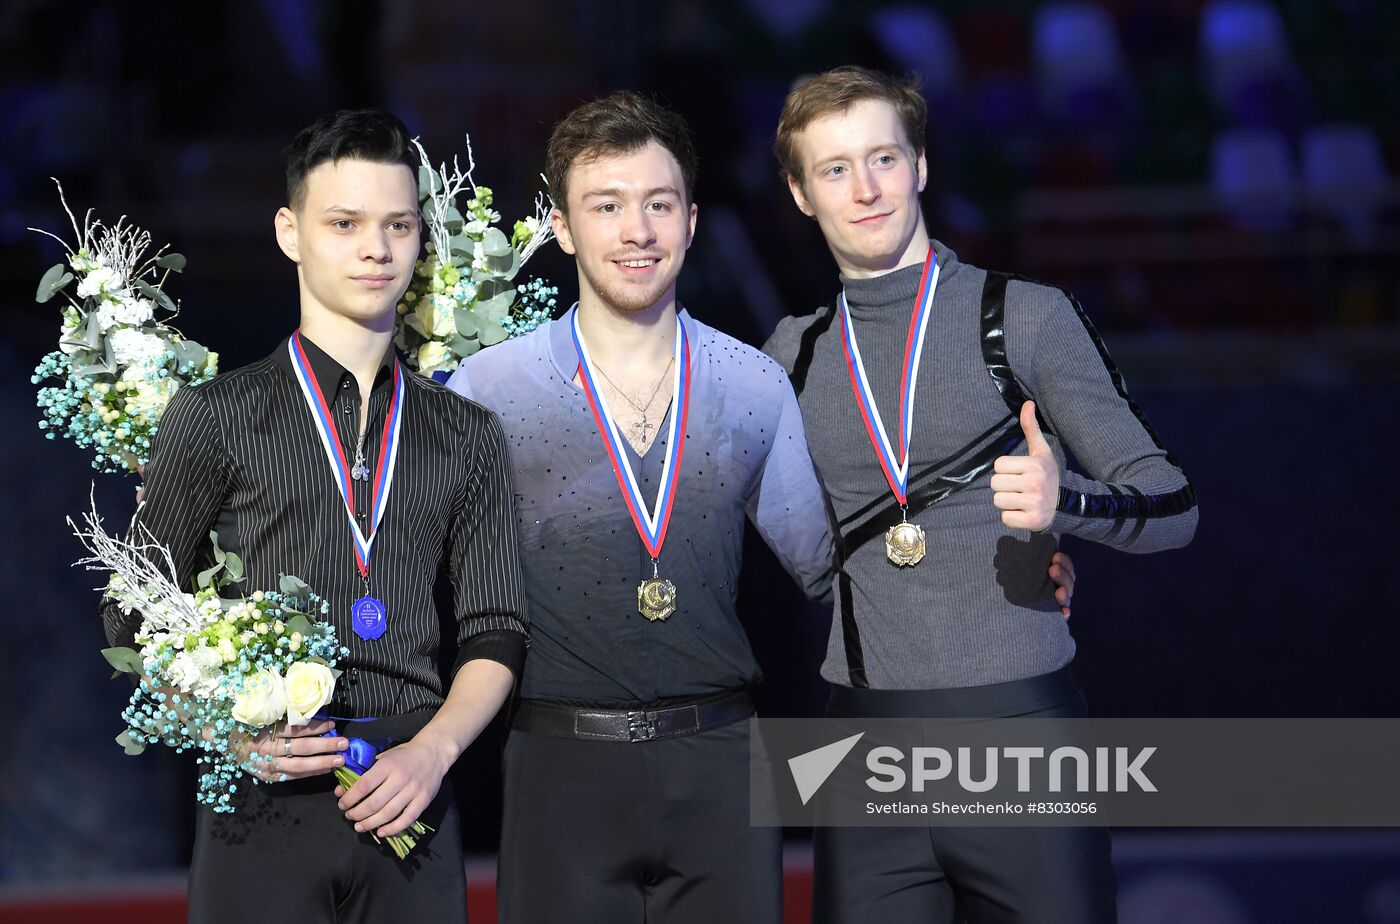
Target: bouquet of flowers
463 295
213 671
116 364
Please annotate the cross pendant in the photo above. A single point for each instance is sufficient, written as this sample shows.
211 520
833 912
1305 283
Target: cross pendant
642 427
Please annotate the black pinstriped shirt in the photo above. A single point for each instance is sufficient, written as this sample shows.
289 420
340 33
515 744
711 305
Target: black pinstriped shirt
241 455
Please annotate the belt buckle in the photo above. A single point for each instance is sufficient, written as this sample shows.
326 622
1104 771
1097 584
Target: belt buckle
640 727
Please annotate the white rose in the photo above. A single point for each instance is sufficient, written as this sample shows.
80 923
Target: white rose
227 653
263 700
150 398
435 316
433 357
309 687
183 672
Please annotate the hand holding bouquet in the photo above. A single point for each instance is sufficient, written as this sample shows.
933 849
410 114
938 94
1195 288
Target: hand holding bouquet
216 675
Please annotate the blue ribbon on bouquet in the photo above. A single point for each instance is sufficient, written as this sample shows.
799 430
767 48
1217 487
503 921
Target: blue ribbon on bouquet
360 755
361 752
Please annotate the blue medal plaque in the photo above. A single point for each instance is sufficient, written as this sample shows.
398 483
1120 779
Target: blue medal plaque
370 618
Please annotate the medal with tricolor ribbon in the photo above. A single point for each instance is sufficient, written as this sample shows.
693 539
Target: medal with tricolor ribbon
656 596
904 542
369 617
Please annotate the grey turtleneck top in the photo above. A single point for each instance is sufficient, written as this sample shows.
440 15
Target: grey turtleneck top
979 608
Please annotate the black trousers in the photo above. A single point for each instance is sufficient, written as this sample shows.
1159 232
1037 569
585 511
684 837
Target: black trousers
288 856
978 875
652 831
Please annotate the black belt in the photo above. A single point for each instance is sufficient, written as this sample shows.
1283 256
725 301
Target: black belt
630 725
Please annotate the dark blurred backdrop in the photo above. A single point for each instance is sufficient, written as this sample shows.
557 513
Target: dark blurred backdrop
1213 179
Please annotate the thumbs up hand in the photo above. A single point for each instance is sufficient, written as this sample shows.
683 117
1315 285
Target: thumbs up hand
1026 488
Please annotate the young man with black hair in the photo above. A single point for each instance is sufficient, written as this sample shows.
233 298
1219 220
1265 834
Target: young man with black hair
331 461
941 399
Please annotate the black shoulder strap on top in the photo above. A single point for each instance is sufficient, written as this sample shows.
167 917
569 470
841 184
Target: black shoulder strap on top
806 346
1114 504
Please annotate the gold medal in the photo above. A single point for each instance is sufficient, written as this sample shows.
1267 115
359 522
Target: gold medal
904 543
656 598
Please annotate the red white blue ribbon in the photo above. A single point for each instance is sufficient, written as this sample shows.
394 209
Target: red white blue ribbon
895 465
651 524
335 452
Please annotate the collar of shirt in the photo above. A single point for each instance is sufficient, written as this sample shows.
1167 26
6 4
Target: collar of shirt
331 375
872 297
565 356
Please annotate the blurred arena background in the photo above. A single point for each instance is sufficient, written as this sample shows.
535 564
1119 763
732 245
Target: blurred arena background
1213 178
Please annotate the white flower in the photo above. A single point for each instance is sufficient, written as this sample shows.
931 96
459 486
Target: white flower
100 281
132 347
227 653
150 398
72 324
434 357
183 672
309 687
435 316
82 263
123 309
263 700
210 664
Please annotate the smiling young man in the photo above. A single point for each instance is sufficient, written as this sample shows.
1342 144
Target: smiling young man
641 439
330 461
940 400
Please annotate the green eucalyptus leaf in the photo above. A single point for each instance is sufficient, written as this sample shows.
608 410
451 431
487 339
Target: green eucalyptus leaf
206 577
189 353
126 660
218 552
495 243
298 623
132 748
234 565
98 367
495 308
175 262
53 281
466 321
155 295
492 287
463 244
491 333
428 183
293 586
92 332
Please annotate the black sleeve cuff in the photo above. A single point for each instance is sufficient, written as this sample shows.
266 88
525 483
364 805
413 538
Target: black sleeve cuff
502 645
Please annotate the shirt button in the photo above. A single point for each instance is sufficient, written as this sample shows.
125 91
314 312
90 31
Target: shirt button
354 674
348 408
361 515
345 384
